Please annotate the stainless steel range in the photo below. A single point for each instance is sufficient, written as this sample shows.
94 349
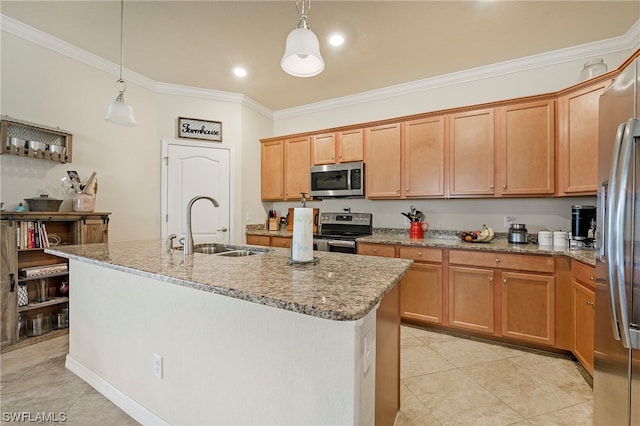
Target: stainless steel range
338 231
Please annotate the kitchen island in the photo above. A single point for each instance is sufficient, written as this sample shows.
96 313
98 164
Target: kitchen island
208 339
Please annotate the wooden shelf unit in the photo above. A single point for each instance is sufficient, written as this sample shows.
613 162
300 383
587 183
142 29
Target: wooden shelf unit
71 228
10 127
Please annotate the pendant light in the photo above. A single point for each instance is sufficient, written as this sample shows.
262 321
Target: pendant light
120 112
302 53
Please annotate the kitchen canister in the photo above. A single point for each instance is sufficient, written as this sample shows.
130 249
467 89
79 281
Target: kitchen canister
560 240
84 203
545 238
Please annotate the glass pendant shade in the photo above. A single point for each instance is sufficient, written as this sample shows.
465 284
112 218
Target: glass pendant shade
302 54
120 112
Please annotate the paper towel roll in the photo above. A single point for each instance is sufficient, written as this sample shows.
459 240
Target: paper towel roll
302 243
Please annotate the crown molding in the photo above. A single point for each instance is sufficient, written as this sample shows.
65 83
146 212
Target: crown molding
69 50
629 41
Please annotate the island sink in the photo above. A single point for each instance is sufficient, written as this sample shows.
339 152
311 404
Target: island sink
224 250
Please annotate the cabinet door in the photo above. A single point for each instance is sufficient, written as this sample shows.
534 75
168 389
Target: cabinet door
324 148
471 299
528 307
424 145
471 153
94 230
272 170
8 283
578 145
382 144
528 148
297 162
350 146
583 308
421 293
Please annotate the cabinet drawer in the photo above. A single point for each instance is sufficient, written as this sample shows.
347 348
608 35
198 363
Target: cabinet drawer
519 262
258 240
369 249
421 254
281 242
584 274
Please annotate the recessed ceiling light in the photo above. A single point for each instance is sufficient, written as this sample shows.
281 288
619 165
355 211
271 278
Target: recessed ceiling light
336 39
240 72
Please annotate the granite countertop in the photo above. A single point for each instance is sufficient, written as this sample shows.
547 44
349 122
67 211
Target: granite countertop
449 239
339 287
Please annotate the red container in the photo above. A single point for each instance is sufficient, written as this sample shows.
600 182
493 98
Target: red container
416 230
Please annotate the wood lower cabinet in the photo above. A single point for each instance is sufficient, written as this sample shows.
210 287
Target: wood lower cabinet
421 288
471 299
268 240
45 299
527 148
471 153
583 309
508 295
372 249
259 240
528 307
382 157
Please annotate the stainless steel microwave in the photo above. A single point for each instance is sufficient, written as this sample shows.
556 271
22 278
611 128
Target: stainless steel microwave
338 180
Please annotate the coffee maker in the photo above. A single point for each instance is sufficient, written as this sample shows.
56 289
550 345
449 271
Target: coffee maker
583 224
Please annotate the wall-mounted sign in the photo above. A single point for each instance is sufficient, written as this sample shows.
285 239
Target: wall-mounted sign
192 128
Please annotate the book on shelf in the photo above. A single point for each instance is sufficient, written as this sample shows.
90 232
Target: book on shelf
35 271
32 234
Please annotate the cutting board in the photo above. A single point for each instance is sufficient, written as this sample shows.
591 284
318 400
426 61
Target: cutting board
316 217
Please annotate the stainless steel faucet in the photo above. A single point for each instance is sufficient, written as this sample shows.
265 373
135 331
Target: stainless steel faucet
188 243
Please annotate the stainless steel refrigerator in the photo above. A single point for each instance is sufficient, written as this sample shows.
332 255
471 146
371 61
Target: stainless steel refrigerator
616 381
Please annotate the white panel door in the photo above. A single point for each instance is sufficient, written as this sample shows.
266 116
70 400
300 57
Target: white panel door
190 171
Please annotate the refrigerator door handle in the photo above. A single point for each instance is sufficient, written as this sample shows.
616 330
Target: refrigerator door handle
601 235
626 156
609 231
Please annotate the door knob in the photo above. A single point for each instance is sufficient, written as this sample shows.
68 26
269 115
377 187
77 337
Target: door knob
222 229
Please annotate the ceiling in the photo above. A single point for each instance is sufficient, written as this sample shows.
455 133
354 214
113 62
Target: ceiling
197 43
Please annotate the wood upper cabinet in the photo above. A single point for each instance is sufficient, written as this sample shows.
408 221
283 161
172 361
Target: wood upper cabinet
424 157
471 153
382 156
528 307
285 167
340 147
578 140
583 309
297 162
272 170
527 148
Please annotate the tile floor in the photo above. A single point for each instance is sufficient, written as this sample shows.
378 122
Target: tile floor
445 380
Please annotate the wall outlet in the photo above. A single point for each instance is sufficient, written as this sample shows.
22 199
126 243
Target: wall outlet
157 365
508 220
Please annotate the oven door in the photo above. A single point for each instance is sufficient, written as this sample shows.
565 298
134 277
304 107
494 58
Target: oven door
341 246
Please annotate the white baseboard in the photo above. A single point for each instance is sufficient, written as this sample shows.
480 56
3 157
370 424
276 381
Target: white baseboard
126 404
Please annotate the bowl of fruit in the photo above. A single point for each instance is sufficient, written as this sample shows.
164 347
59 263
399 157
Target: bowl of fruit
477 236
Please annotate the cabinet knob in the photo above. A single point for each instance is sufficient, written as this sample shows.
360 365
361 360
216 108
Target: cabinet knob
592 278
398 190
375 250
490 186
504 186
504 281
497 260
406 189
490 279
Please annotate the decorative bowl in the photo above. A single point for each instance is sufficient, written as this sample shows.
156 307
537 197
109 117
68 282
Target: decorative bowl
43 204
